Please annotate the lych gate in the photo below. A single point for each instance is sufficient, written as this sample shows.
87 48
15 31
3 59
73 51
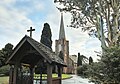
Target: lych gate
24 58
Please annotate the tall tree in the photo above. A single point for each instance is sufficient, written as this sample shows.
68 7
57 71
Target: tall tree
46 36
99 17
81 59
46 40
90 60
5 52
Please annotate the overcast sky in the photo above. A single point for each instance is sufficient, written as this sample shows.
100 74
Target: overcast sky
17 16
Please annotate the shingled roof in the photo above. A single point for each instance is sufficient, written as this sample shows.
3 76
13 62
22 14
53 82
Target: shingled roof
43 50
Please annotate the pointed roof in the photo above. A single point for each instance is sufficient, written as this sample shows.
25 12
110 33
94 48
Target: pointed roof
62 31
40 48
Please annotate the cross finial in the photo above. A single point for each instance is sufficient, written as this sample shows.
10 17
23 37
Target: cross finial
31 31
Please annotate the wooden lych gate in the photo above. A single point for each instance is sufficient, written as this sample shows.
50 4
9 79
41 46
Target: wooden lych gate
25 57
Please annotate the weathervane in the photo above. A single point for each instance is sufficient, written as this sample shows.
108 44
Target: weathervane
31 31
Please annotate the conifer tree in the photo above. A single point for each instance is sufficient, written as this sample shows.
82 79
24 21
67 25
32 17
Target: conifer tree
46 40
79 61
90 60
46 36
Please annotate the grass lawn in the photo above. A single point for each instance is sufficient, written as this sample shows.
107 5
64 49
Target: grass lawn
5 79
64 76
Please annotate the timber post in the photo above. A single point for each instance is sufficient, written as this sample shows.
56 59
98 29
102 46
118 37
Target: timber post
49 73
31 75
15 74
59 74
11 75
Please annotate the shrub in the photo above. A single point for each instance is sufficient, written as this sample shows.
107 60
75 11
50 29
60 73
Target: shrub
82 70
5 70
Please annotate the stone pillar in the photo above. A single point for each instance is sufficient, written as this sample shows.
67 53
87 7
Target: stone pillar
49 73
60 74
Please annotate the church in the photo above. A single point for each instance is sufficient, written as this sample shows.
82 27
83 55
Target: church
62 47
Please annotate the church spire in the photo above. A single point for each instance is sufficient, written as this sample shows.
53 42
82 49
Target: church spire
62 31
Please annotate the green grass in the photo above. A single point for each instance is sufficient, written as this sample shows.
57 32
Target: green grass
64 76
4 80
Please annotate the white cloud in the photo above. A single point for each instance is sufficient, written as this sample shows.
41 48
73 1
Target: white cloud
7 2
14 22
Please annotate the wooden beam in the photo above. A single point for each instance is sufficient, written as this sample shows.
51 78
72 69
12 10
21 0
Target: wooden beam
11 75
49 73
15 74
32 74
60 74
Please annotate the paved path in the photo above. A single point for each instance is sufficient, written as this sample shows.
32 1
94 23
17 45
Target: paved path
76 80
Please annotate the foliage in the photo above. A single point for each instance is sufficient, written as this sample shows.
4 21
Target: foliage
46 40
81 70
107 69
90 60
5 69
102 19
46 36
81 59
99 17
5 52
111 61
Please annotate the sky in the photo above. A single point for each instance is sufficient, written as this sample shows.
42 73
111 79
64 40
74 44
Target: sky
17 16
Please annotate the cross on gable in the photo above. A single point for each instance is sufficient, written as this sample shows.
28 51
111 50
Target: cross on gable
31 31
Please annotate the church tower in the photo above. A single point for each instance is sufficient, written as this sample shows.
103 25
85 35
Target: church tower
62 46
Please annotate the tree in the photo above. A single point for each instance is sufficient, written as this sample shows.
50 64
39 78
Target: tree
99 17
1 58
107 69
4 55
46 36
90 60
5 52
81 59
102 19
46 40
111 63
81 70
